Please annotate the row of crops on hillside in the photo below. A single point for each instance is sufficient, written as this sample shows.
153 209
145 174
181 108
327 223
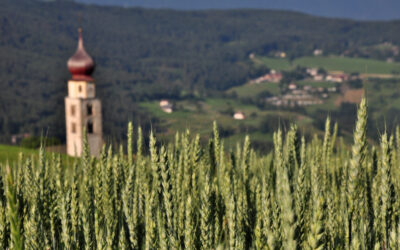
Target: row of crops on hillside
303 195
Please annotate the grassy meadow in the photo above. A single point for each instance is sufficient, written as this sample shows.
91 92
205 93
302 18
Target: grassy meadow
333 63
11 153
198 115
275 63
253 90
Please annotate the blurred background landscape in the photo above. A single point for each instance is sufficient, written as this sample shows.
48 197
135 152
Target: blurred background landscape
250 70
354 9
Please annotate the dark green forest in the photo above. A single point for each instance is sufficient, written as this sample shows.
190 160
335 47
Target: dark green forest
144 54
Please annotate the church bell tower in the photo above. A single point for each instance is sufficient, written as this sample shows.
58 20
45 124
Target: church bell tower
82 108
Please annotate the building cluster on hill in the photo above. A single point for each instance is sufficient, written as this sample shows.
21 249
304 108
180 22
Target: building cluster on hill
314 74
338 77
280 54
296 96
301 97
272 76
318 52
239 115
166 106
307 94
17 138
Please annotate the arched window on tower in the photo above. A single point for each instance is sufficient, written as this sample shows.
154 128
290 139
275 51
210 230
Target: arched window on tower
89 108
73 109
73 128
90 127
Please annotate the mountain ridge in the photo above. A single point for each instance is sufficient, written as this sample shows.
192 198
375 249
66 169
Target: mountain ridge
354 9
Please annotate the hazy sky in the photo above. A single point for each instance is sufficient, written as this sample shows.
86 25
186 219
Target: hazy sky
355 9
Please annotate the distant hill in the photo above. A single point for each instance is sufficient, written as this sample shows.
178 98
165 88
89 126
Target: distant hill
148 54
354 9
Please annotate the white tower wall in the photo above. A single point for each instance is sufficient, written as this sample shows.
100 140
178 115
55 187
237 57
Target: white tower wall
83 110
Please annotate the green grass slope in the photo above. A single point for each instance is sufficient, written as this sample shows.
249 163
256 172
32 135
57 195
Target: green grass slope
252 90
349 65
333 63
198 116
11 154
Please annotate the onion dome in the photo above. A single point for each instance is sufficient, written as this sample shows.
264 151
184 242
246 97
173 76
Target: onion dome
81 65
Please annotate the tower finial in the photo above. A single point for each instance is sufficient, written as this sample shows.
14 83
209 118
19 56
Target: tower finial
80 22
80 44
80 41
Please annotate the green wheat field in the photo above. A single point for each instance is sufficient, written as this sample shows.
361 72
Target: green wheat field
318 194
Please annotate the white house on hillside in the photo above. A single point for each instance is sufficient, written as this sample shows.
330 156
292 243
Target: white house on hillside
239 116
166 106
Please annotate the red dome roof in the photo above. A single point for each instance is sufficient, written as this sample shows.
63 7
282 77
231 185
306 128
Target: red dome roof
81 65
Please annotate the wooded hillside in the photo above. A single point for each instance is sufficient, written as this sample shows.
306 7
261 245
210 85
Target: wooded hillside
148 54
